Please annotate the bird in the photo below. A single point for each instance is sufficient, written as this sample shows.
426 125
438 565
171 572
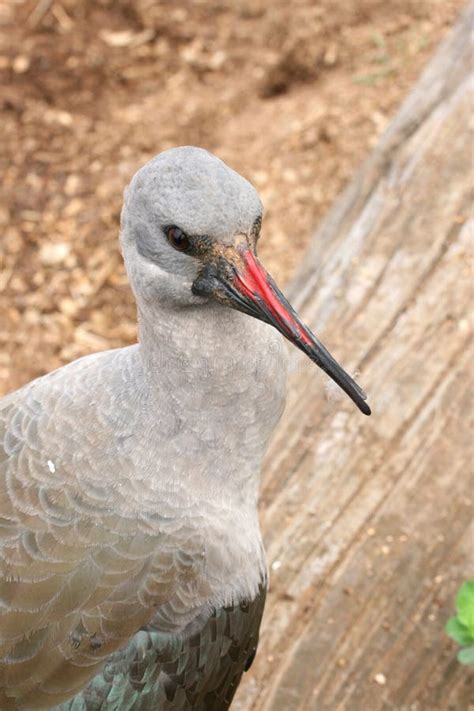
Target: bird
133 573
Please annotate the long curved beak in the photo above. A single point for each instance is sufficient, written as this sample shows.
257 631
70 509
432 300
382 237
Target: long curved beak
244 284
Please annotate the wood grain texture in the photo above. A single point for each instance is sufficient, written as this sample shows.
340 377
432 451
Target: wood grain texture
369 522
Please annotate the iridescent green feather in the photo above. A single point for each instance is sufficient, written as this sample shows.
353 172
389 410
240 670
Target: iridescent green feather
199 671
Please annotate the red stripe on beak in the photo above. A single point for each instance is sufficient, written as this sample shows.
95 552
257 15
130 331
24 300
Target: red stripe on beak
255 293
255 283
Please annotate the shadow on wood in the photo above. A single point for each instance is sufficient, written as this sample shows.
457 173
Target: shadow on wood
368 523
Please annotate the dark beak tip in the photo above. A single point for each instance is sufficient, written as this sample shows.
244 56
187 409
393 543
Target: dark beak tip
365 409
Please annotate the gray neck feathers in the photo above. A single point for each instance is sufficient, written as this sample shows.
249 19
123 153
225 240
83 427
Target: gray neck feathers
222 375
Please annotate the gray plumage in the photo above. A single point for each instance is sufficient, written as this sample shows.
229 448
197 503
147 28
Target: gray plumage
130 479
132 570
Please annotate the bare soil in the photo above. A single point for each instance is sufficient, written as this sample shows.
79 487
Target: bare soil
291 94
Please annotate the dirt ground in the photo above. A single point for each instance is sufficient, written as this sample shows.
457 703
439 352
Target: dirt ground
291 94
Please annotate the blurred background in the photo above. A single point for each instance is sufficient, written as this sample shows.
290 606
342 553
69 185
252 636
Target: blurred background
291 94
367 523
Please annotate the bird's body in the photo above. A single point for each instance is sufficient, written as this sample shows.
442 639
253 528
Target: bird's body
133 573
153 486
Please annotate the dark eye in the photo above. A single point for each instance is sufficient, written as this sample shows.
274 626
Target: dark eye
177 238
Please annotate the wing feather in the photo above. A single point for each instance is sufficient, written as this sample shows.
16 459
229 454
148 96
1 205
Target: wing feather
77 577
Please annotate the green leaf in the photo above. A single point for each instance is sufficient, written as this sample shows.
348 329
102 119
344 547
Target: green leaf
465 606
466 655
458 631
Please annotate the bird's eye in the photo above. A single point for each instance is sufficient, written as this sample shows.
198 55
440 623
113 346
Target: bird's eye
177 238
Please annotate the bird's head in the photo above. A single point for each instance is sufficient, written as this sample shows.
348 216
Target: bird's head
190 227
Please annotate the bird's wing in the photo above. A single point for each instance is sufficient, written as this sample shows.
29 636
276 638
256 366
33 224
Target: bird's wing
76 579
199 669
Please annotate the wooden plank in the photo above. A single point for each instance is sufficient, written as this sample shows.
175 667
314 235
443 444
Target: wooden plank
368 523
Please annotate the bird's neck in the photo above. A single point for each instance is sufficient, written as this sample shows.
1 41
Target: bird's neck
202 347
222 375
